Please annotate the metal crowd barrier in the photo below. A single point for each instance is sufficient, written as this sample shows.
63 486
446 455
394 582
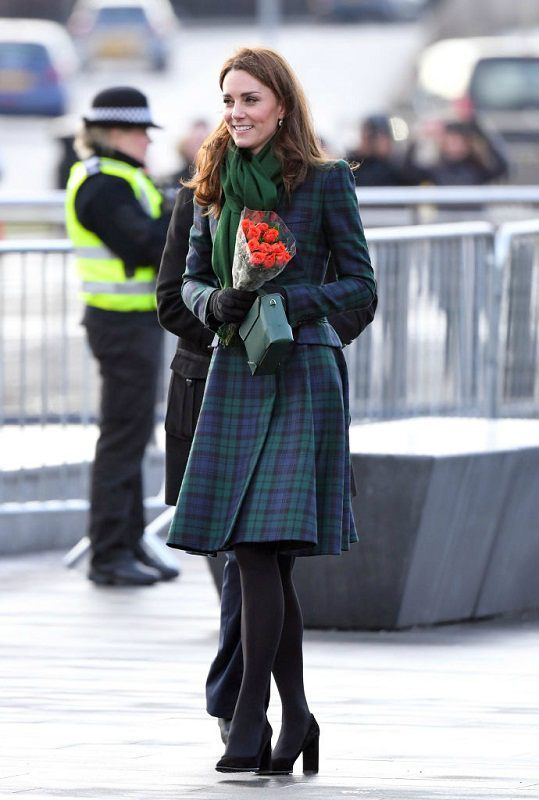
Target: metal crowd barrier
392 205
456 333
47 374
48 378
428 351
515 392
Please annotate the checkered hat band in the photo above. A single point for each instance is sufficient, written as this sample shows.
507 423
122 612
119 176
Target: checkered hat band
133 115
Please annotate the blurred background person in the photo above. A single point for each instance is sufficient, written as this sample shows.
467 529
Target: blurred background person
68 157
115 220
187 147
375 153
462 154
63 132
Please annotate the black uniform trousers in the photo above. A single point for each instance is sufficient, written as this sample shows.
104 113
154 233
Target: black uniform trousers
127 346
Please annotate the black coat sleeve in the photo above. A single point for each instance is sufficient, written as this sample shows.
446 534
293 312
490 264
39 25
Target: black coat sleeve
107 206
349 324
173 314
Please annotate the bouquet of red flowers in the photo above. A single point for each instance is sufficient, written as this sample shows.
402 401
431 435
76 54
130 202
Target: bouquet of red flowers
264 246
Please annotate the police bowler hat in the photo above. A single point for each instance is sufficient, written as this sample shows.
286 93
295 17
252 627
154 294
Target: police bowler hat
120 107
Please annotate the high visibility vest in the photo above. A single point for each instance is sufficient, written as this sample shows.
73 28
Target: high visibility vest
104 282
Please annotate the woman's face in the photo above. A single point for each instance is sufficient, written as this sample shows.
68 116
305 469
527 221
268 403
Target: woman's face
131 141
251 110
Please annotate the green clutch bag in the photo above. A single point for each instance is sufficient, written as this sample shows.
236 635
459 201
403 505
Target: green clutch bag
266 334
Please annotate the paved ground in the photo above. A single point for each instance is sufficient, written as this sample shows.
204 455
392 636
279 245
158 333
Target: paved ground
102 697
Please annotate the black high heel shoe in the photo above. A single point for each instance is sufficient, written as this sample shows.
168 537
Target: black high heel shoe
309 748
258 763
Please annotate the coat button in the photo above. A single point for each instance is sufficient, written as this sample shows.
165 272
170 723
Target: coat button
188 381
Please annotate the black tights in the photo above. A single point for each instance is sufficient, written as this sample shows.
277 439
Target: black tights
271 635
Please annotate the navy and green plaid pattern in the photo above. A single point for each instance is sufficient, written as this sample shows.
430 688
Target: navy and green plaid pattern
270 458
323 215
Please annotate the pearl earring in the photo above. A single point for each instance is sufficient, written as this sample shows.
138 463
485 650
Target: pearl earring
280 123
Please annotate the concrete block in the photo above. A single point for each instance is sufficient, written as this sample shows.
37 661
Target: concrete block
46 508
447 511
448 516
511 582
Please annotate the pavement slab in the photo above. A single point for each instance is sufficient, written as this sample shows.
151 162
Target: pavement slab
102 696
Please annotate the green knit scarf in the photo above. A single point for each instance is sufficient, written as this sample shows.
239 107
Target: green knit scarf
246 182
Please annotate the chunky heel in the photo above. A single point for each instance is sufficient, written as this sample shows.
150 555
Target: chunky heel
310 754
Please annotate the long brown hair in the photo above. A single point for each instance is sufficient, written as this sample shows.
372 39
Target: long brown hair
295 144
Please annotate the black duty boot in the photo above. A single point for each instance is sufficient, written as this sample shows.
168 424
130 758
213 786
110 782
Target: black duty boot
123 571
165 572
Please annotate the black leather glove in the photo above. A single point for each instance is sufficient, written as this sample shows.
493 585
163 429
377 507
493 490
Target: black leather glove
231 305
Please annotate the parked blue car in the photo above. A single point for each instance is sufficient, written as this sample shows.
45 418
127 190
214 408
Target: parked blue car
37 58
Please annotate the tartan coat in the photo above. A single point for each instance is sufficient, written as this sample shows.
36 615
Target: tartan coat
270 459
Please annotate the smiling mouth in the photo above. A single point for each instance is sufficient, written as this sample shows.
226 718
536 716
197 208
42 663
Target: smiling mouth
242 128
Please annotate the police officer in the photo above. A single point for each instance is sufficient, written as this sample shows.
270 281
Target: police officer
116 222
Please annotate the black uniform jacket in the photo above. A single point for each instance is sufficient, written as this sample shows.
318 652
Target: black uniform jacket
106 205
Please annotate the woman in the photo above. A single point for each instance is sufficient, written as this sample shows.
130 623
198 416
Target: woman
269 470
189 370
117 224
